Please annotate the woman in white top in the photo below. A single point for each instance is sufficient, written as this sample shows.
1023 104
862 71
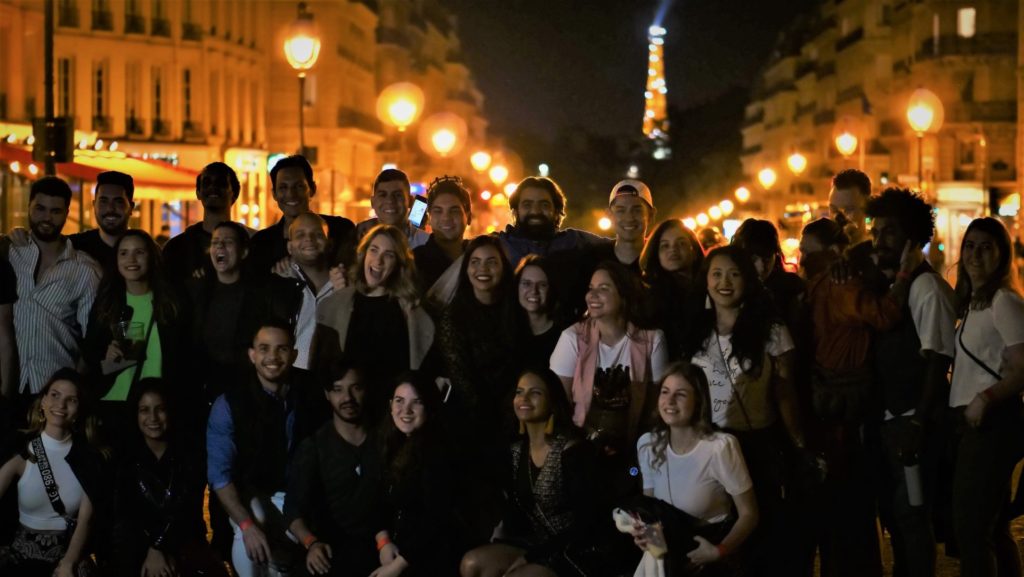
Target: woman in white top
688 464
41 545
988 378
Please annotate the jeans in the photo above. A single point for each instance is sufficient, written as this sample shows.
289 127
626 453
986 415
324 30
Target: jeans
913 536
266 512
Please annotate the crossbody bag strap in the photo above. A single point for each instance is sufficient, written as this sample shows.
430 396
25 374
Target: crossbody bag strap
963 347
735 391
49 482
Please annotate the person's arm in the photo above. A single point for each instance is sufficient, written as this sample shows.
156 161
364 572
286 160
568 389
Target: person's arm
786 397
90 284
746 521
67 564
1008 315
1011 385
12 469
8 353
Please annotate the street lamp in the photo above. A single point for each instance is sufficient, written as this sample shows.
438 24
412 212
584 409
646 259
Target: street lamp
498 174
301 49
925 114
797 163
480 160
443 134
846 143
767 177
727 207
399 105
742 194
702 219
715 212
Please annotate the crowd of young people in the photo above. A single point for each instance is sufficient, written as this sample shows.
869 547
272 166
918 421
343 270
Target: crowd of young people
374 400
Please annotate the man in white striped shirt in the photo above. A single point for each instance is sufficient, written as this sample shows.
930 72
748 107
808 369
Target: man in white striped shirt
56 289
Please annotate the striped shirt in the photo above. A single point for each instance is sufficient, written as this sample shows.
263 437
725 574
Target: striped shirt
50 317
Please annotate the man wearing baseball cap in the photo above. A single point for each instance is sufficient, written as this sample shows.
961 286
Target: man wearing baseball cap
631 210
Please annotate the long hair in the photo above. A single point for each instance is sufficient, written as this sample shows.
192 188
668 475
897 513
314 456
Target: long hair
701 422
630 291
85 421
157 386
404 455
111 295
401 284
558 401
753 327
650 264
760 238
1005 275
465 304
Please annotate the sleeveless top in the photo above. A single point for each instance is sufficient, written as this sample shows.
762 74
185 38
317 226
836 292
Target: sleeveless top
547 505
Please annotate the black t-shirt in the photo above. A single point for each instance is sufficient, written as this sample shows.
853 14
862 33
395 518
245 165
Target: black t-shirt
91 243
8 283
187 252
537 349
222 316
378 337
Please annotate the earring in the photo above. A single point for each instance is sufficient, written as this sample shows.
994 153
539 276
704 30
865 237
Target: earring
707 302
550 427
522 428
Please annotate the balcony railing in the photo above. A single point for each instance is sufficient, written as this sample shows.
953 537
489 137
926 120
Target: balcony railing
804 68
993 111
67 15
161 27
134 24
191 31
193 131
751 150
891 127
826 69
463 96
135 126
753 119
805 109
161 127
392 36
849 40
979 45
824 117
102 124
849 93
351 118
102 20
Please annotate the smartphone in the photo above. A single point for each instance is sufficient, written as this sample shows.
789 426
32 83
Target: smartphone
418 212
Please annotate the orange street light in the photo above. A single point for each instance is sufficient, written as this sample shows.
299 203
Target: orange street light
715 212
702 219
498 174
767 178
480 160
846 143
742 194
925 113
443 134
400 104
797 163
690 223
727 207
301 49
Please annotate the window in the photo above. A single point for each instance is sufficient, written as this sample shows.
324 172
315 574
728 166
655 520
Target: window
99 90
213 88
158 99
965 22
186 83
132 96
966 153
935 34
65 86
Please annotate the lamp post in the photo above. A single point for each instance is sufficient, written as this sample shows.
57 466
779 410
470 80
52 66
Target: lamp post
797 163
847 135
924 114
767 178
481 160
498 174
302 48
742 194
399 105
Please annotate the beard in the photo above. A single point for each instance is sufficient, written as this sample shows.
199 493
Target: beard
537 227
354 409
50 235
116 230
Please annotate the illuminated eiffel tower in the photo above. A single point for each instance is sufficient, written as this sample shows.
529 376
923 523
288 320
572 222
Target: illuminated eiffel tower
655 96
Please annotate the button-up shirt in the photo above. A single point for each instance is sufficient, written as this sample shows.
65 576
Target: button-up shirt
50 316
305 324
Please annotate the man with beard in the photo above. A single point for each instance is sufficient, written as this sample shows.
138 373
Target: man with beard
910 364
56 288
334 484
112 206
293 188
390 202
217 188
847 201
250 437
538 207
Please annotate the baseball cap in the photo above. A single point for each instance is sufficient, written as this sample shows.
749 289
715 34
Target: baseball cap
631 187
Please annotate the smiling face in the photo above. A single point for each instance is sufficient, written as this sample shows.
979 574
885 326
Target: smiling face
630 217
888 240
980 254
677 401
674 251
111 209
214 191
535 213
346 398
272 354
533 289
725 282
152 416
133 259
60 404
603 298
485 269
307 239
407 410
390 202
225 251
46 216
380 263
292 192
447 217
531 403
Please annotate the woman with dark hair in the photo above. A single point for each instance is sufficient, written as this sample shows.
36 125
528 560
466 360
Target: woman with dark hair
671 262
746 353
136 328
424 535
378 318
760 239
688 464
537 299
988 378
553 509
608 365
59 479
158 499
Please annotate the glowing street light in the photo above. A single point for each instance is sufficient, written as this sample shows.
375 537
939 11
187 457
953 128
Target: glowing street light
690 223
605 223
480 160
702 219
498 174
846 143
400 104
925 113
767 178
742 194
727 207
715 212
301 49
797 163
510 188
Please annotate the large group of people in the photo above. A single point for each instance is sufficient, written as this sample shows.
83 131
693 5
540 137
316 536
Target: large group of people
373 400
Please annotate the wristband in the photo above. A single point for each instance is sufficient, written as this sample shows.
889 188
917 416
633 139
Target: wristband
245 524
309 541
383 542
722 550
987 395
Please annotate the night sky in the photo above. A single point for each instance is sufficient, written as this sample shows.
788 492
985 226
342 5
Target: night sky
545 65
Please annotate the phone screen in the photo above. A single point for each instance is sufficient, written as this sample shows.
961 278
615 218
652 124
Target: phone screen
418 213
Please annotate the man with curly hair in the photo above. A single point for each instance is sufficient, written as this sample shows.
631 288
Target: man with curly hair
910 364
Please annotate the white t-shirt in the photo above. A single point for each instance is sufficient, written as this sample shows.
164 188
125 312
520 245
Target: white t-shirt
563 358
987 333
931 307
754 390
699 482
34 508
